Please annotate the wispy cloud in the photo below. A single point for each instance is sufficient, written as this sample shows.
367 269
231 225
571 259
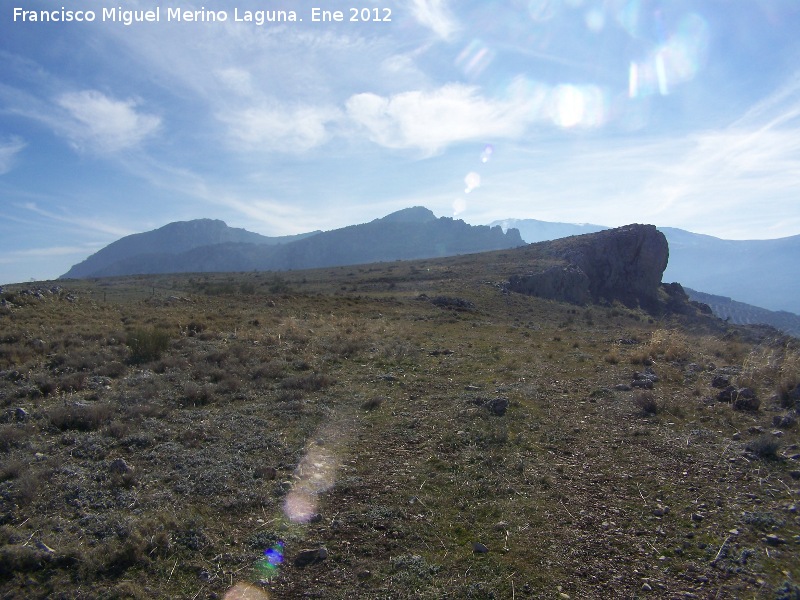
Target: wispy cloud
91 224
14 256
9 149
435 15
103 123
279 128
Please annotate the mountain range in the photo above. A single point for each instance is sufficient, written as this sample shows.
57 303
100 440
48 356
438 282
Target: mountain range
761 273
206 246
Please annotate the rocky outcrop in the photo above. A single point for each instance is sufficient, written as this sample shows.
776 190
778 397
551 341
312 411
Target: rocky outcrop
565 282
623 264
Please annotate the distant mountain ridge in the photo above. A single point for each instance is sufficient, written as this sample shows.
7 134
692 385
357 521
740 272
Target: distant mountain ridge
762 273
205 245
171 239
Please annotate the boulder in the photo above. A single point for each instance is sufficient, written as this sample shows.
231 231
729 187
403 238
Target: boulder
623 264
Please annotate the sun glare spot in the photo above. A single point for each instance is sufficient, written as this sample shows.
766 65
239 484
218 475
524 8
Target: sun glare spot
487 153
573 106
472 182
315 475
595 20
243 591
459 206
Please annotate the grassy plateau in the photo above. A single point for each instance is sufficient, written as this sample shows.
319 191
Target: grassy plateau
395 430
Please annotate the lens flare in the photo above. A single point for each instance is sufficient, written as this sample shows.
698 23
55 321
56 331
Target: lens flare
595 20
676 61
243 591
472 182
459 206
487 153
473 59
316 472
578 106
267 567
542 10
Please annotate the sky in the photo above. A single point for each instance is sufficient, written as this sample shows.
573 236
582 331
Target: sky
677 113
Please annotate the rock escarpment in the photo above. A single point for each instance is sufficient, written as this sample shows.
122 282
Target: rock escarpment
623 264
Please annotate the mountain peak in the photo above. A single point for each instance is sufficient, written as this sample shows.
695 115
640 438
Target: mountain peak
415 214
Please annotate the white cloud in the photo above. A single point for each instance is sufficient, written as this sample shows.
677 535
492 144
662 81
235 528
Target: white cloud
9 148
430 121
435 15
104 123
278 128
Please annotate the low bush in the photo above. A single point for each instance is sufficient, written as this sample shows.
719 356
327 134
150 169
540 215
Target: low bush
646 403
147 344
81 417
765 446
312 382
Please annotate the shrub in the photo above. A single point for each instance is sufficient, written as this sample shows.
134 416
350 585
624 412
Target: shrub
765 446
670 344
310 383
81 417
646 403
11 436
197 395
147 344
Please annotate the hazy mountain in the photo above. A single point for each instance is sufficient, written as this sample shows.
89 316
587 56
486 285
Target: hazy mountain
764 273
406 234
740 313
533 231
169 240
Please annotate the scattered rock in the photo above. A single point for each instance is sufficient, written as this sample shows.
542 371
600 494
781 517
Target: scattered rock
721 381
696 517
498 406
648 375
645 384
119 465
305 558
746 399
623 387
784 421
646 587
479 548
773 540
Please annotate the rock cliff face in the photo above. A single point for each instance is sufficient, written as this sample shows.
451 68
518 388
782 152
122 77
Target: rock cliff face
623 264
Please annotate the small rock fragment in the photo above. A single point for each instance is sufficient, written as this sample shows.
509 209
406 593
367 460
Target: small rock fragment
774 540
310 557
479 548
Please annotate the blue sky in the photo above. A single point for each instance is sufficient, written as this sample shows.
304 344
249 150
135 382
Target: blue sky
677 113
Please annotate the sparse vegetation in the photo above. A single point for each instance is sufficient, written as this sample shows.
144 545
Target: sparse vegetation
469 442
147 344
